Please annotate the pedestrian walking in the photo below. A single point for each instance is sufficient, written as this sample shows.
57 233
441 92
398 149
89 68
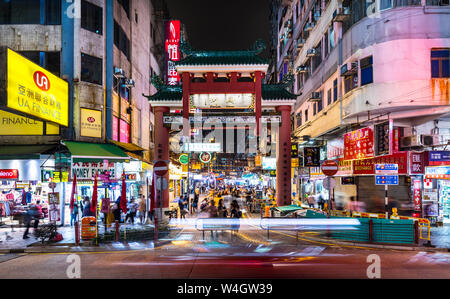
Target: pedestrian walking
33 213
182 207
311 201
212 209
87 207
116 212
131 210
235 210
74 214
142 208
222 210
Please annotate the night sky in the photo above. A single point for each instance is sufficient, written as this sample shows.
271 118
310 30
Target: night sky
223 24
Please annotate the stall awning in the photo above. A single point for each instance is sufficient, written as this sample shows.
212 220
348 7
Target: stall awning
95 152
23 152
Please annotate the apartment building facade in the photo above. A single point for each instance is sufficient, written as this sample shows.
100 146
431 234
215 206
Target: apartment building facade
378 67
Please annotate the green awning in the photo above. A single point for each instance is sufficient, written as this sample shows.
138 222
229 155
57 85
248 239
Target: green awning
95 152
23 152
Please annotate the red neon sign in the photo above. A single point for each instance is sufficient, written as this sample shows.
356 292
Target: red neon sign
172 51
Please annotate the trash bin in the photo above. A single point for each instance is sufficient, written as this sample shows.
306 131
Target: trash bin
88 228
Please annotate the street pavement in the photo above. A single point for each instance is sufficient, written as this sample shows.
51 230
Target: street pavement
11 240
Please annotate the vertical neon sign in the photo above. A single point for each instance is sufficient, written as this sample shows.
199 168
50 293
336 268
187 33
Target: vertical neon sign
172 46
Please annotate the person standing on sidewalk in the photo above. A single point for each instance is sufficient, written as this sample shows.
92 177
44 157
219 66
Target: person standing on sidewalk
142 208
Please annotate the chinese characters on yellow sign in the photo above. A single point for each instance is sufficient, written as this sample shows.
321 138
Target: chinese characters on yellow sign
91 123
35 91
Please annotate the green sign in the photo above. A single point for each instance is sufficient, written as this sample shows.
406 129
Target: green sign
184 159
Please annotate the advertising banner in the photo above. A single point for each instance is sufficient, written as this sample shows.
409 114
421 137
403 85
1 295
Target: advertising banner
35 91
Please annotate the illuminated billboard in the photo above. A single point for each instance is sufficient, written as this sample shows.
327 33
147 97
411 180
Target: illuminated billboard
32 90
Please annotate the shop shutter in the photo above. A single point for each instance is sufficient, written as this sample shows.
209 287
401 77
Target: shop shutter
373 196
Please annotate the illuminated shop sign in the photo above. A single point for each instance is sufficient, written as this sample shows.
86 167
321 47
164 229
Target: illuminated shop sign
35 91
9 174
172 46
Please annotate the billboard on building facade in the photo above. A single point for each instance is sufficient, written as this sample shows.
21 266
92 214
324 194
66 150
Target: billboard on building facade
32 90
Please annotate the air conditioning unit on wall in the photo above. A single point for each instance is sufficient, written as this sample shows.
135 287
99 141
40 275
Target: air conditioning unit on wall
430 140
419 141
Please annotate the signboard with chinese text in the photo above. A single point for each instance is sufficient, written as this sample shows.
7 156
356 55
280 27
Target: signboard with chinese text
366 166
35 91
222 100
438 158
440 173
382 138
201 147
417 195
416 163
344 167
90 123
294 150
335 148
172 47
358 144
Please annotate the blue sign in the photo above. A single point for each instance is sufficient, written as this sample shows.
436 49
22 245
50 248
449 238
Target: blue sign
386 180
386 168
440 156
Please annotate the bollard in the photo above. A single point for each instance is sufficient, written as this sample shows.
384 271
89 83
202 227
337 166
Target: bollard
117 230
77 234
155 235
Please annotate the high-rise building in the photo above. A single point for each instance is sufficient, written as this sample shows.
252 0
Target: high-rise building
107 51
379 69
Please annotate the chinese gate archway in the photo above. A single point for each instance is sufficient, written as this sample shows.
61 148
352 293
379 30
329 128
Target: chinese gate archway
225 87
